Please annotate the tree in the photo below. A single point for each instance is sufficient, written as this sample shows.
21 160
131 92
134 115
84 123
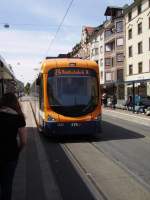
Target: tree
27 88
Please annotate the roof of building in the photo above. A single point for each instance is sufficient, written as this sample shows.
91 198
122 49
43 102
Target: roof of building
89 30
111 9
129 8
97 30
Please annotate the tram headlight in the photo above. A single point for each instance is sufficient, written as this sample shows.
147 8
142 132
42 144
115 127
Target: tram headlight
50 119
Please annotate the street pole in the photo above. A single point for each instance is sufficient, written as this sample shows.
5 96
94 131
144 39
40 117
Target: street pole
133 89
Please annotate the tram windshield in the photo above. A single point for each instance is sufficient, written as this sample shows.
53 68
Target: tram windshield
73 94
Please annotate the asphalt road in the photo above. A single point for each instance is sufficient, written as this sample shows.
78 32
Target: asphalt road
128 144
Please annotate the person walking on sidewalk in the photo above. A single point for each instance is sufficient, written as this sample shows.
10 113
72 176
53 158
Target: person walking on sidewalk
12 125
104 99
114 101
129 103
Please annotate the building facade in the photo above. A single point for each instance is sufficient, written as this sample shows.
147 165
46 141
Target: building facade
97 50
137 67
82 49
114 47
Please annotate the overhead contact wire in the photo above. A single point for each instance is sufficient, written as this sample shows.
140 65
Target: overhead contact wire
59 27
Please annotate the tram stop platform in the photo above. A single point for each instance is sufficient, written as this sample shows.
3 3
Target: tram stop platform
33 178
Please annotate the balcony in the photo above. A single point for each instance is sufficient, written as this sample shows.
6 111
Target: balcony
120 64
120 48
110 54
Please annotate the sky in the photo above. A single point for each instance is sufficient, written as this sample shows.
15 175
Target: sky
33 24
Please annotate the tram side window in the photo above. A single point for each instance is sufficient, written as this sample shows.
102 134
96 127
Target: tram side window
41 96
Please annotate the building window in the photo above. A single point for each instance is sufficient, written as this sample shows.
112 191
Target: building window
140 48
119 42
108 76
130 34
140 70
120 57
139 9
108 33
119 26
129 16
120 74
112 61
130 51
130 69
108 61
140 28
109 47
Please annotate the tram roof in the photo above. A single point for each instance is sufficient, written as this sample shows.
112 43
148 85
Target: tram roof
67 62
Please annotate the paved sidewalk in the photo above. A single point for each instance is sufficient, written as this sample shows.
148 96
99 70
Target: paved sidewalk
34 178
127 115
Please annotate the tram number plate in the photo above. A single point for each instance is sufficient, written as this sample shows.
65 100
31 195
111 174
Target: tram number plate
60 124
75 124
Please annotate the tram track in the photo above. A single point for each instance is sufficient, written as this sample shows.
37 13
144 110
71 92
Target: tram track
87 178
129 177
126 169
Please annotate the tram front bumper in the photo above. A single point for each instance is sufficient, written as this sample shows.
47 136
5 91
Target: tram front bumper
72 128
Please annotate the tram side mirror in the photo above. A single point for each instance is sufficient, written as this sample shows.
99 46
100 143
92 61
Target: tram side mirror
38 80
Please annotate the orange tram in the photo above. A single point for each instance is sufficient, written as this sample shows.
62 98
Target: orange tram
68 97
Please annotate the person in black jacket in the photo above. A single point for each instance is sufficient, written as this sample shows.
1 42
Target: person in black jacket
12 125
114 101
129 103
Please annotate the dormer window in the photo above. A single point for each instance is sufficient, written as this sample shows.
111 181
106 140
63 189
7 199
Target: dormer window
140 28
130 34
129 16
139 9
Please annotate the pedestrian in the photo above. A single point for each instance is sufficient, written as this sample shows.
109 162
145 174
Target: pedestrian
114 101
129 103
12 139
104 99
